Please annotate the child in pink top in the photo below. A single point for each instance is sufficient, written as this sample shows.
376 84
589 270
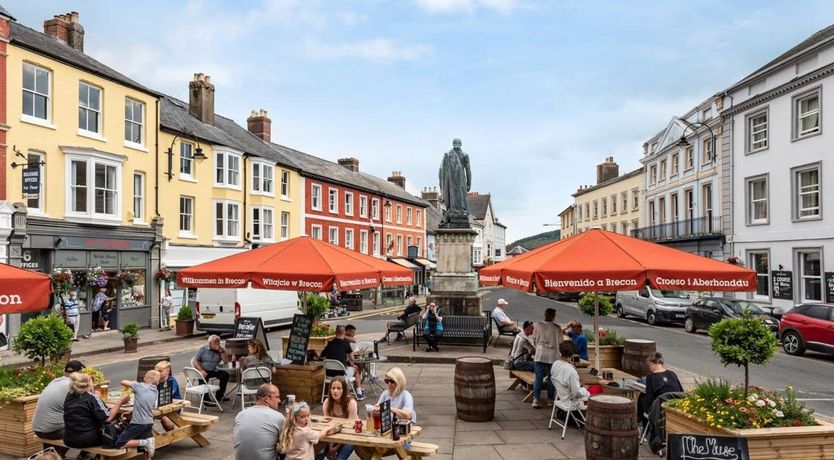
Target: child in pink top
297 438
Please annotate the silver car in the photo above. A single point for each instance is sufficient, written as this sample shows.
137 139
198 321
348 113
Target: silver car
655 305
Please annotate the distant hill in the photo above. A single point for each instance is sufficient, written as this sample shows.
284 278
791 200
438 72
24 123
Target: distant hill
535 241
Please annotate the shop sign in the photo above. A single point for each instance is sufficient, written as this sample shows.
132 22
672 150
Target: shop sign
134 259
104 259
32 259
71 259
782 284
78 242
32 181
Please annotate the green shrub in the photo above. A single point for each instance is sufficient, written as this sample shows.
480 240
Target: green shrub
314 305
185 313
130 331
586 305
606 337
16 382
743 341
42 337
321 330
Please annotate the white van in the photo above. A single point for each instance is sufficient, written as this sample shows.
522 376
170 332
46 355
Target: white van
217 309
655 305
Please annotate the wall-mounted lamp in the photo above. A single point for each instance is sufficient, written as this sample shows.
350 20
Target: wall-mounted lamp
59 241
28 163
683 143
198 152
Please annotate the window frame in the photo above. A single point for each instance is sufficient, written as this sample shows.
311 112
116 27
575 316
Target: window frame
749 131
613 204
332 200
267 225
796 194
706 150
317 232
375 243
285 225
363 206
189 216
37 157
624 200
796 115
47 120
348 203
674 165
418 217
224 168
653 174
375 208
91 160
688 159
661 172
399 214
226 236
363 241
349 235
333 235
285 184
141 124
140 216
752 254
749 200
97 111
260 182
408 220
316 197
801 276
187 159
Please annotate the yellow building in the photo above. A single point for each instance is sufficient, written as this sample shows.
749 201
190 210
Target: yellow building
568 222
84 137
612 204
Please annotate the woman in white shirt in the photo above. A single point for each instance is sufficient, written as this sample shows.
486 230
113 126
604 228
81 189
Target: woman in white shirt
566 377
547 336
402 404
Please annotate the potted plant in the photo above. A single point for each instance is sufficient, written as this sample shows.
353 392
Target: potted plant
185 321
61 281
314 305
127 278
164 274
611 345
742 341
44 337
97 277
130 335
586 304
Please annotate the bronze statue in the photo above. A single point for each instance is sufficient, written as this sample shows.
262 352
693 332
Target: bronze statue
455 181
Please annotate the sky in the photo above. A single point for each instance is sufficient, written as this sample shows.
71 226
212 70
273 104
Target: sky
539 91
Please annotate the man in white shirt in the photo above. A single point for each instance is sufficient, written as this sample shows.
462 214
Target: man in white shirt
523 349
505 324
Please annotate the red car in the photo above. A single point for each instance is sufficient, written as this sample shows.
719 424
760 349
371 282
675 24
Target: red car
808 327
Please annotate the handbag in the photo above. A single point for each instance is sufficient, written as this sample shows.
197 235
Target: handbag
110 432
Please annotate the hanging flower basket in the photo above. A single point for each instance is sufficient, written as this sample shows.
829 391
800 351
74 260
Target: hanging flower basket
734 260
164 274
61 280
127 278
97 277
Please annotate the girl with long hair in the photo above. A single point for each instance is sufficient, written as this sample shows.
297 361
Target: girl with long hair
297 438
339 404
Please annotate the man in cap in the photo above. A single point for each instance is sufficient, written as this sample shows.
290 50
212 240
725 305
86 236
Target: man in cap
505 324
48 421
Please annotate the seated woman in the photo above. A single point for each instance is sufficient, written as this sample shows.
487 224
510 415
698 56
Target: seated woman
84 413
432 326
339 404
660 381
257 358
565 377
402 403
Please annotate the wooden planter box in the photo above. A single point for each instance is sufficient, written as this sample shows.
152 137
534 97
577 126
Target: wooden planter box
316 343
609 356
788 443
302 381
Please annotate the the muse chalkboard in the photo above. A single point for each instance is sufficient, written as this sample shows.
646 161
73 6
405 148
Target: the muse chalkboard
782 282
702 447
385 421
296 350
251 327
829 286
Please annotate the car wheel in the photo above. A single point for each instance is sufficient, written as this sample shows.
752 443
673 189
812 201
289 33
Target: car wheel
620 312
792 343
651 318
689 325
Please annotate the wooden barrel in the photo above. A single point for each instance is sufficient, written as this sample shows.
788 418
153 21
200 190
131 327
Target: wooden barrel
611 431
474 389
147 363
635 355
238 347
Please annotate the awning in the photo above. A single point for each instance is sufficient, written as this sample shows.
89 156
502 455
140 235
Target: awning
426 263
404 263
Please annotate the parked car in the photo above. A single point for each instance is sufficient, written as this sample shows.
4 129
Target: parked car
706 311
775 312
655 305
564 296
808 327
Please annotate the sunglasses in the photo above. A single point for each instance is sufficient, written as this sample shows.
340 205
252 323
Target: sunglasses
389 381
43 452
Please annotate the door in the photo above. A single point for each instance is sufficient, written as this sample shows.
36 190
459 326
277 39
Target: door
642 299
697 314
713 313
818 327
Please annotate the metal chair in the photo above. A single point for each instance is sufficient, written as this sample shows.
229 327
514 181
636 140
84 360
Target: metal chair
501 331
195 384
370 368
569 406
335 365
253 376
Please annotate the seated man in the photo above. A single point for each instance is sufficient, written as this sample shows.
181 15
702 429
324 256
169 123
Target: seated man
505 324
580 341
48 421
350 336
257 428
206 361
339 349
523 349
411 308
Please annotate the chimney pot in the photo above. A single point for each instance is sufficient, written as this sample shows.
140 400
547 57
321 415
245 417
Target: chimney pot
259 124
349 163
397 178
201 98
66 29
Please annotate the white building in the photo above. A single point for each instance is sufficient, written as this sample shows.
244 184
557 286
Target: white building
492 232
775 132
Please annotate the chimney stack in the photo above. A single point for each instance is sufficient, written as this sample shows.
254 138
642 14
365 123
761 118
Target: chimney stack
65 28
260 125
607 170
350 163
397 179
201 98
432 196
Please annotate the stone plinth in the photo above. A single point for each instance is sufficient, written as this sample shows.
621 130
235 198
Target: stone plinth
455 285
454 250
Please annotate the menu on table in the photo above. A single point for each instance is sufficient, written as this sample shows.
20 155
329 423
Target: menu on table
385 417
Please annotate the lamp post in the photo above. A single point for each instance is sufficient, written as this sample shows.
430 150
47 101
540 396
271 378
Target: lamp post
198 153
683 143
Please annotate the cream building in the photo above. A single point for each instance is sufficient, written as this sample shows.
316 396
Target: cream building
612 204
568 220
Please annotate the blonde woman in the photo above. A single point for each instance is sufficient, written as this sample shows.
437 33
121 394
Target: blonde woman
402 403
84 413
297 438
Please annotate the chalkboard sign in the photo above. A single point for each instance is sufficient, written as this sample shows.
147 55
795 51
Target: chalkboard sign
702 447
251 327
829 286
166 393
385 417
782 281
296 350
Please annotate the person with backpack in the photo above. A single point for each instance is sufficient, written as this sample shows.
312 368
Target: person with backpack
523 350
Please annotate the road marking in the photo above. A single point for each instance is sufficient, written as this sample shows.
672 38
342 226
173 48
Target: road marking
815 399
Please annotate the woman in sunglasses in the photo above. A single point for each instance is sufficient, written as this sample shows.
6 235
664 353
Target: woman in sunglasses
402 404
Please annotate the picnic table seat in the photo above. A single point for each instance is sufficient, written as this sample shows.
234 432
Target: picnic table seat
462 330
103 452
418 450
527 377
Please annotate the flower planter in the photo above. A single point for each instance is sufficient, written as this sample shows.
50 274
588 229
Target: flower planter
185 327
315 343
788 443
131 345
610 356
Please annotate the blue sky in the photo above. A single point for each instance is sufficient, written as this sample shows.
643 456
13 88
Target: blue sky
539 91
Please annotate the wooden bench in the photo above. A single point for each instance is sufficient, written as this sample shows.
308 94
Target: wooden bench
418 450
400 326
462 330
118 454
520 377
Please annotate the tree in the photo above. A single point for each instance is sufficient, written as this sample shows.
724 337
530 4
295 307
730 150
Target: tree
586 304
743 341
42 337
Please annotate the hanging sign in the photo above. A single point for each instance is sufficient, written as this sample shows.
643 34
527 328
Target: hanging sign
32 181
829 286
782 282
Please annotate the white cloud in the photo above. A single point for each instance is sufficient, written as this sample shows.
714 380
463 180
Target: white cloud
454 6
377 49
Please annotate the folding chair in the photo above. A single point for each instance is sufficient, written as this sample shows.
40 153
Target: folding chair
569 406
645 429
253 376
335 365
195 384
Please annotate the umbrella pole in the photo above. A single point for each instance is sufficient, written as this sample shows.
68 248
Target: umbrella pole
596 330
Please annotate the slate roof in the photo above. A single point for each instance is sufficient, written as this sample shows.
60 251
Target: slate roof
6 13
41 43
327 170
478 205
433 218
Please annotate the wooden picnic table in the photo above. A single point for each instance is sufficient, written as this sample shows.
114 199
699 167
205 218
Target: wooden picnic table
187 425
368 446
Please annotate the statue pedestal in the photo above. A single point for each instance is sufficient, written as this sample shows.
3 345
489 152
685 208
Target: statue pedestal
455 284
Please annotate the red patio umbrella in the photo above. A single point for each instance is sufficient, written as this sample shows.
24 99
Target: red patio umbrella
299 264
598 260
23 291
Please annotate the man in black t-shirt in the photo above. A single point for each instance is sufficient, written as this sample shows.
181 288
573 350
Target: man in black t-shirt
339 349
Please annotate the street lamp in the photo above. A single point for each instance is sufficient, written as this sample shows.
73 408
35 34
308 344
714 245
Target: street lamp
198 152
683 143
